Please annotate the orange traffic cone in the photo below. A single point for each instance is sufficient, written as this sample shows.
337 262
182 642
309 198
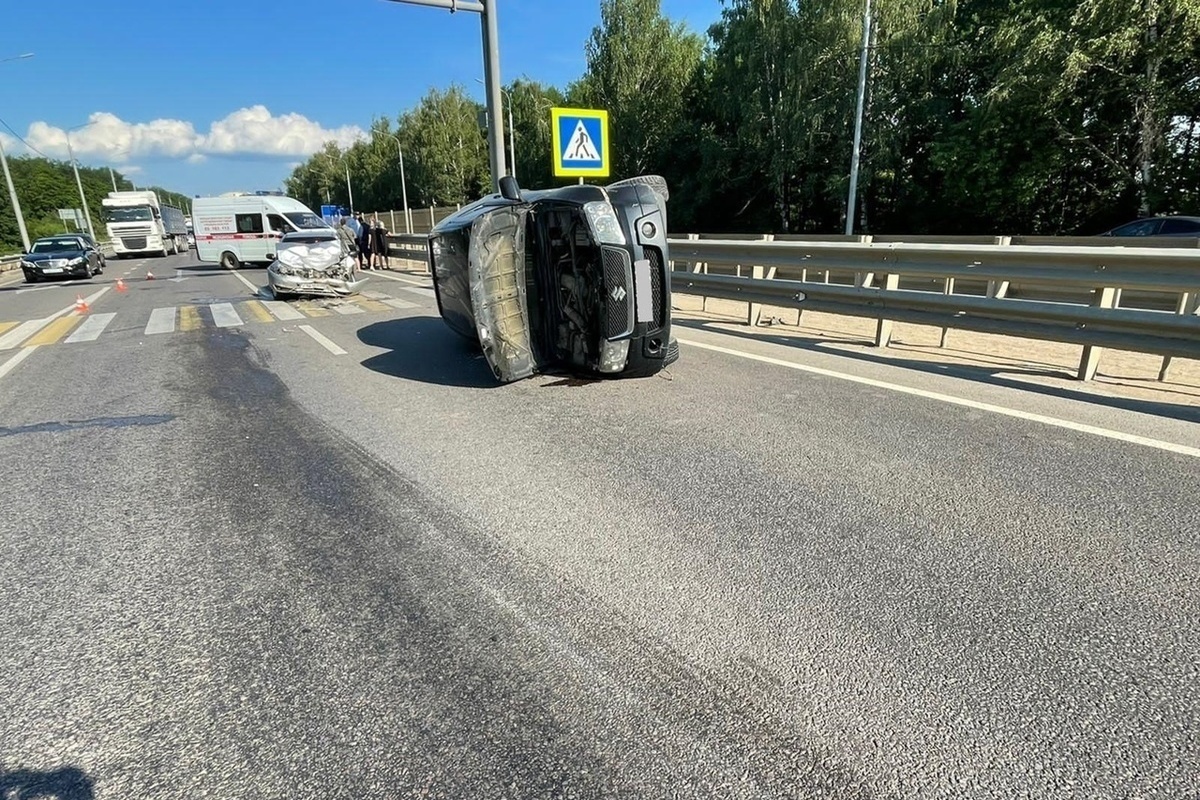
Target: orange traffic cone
81 306
149 275
121 287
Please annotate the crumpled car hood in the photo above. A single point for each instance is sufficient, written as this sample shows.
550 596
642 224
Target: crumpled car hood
311 256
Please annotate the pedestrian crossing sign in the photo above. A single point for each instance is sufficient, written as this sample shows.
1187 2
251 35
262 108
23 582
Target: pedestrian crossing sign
580 142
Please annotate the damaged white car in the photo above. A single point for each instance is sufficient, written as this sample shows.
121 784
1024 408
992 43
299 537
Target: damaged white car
313 262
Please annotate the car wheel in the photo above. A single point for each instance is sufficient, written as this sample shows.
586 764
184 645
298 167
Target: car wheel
229 260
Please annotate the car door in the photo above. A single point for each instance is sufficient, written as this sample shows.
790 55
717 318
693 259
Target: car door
1180 227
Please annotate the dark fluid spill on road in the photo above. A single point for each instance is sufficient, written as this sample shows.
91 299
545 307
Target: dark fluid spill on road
96 422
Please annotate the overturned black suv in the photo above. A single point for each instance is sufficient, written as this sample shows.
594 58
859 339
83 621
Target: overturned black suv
575 278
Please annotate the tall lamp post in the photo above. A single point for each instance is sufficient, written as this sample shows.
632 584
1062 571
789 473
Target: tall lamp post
78 183
349 190
403 185
12 190
512 131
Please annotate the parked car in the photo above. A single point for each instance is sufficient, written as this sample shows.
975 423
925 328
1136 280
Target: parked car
575 278
1159 226
313 262
68 255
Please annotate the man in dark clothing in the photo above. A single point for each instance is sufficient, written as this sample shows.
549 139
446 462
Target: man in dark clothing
379 244
364 241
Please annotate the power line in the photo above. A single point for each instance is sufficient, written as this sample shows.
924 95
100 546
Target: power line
22 141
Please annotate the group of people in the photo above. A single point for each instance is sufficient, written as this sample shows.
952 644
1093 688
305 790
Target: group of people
366 240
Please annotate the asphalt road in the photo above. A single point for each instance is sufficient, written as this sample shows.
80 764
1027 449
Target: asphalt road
312 550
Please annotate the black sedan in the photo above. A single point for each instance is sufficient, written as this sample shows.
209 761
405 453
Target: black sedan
65 256
572 279
1159 226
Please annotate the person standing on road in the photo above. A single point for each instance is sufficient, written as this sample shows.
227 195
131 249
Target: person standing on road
364 241
379 244
348 238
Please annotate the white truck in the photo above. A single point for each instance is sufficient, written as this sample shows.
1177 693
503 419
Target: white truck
137 223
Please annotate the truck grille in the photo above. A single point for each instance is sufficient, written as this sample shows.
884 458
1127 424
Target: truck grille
653 255
134 242
132 230
618 299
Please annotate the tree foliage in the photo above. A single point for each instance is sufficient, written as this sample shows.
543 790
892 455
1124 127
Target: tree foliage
980 116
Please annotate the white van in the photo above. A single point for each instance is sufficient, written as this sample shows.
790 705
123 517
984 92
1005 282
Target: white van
247 228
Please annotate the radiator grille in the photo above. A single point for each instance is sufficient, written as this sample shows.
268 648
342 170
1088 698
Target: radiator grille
653 255
618 301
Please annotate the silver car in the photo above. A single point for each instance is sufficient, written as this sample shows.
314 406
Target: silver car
313 262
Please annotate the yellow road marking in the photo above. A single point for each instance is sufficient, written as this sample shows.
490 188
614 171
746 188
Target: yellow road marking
189 318
54 331
5 326
372 305
306 307
257 310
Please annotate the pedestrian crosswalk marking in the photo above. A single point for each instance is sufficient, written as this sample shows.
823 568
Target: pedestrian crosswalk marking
189 318
91 328
255 310
75 328
162 320
54 331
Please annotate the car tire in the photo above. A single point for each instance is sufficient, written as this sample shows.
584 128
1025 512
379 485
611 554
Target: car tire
229 260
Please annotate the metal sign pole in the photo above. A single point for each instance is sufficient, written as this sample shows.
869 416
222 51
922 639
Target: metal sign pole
16 204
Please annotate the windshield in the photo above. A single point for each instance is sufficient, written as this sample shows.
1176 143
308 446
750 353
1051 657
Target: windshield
56 245
128 214
305 219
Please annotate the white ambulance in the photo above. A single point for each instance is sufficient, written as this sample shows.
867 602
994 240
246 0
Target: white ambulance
246 228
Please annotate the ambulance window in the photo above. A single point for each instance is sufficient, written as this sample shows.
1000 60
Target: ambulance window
278 223
249 223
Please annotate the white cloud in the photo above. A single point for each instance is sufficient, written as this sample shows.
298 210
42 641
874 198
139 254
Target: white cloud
129 169
250 131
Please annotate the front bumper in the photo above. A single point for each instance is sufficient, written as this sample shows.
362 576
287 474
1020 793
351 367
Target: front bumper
37 270
323 287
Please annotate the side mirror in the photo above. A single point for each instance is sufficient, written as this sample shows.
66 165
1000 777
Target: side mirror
510 190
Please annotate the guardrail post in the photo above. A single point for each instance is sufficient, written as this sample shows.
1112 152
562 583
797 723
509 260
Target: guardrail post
392 215
862 280
998 290
1090 360
1189 303
754 310
431 221
883 327
947 289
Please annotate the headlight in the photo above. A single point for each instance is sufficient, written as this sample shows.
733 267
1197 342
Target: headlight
74 262
348 263
26 264
604 222
613 356
280 268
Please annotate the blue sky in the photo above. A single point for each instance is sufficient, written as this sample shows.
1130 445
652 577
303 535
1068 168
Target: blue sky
225 95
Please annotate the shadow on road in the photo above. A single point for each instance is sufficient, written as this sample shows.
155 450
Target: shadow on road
981 374
424 349
68 783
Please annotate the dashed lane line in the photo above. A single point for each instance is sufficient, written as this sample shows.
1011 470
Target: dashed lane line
11 364
320 339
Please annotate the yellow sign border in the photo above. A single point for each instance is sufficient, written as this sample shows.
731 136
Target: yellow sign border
561 171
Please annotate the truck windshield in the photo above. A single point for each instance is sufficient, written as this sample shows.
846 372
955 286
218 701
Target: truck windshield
305 220
127 214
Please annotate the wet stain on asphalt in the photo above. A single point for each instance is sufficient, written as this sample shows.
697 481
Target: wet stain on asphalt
95 422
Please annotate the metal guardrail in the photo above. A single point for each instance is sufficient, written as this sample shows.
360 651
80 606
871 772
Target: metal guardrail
1090 277
776 273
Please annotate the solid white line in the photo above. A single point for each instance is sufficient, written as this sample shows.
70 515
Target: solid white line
349 309
401 304
224 316
398 278
282 310
321 340
253 289
1093 430
162 320
22 332
40 288
424 291
91 328
21 355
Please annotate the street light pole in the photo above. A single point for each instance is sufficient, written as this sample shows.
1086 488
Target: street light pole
403 185
858 118
12 190
512 141
16 204
82 197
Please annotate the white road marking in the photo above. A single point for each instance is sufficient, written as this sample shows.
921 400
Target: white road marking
421 290
348 309
320 339
224 316
21 355
91 328
40 288
26 329
253 289
1159 444
400 303
375 295
162 320
282 310
401 280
